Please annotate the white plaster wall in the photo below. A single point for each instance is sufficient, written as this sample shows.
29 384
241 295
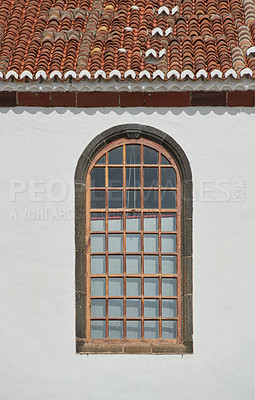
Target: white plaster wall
37 346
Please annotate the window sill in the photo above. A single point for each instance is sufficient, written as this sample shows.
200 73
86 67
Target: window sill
161 347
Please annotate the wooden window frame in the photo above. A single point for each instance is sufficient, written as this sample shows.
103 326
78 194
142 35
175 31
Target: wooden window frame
184 343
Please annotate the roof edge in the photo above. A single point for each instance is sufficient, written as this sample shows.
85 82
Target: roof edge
128 85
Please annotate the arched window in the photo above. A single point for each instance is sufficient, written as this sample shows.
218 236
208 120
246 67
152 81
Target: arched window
132 227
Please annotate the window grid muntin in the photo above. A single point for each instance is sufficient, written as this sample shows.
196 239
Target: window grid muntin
124 210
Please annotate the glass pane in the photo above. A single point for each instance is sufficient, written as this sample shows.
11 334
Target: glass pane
150 198
98 287
151 308
150 264
151 329
115 286
115 222
115 177
168 264
168 199
116 329
98 177
133 264
168 177
115 308
133 177
168 243
115 198
115 156
164 160
169 329
133 243
133 287
133 222
97 198
98 308
133 308
98 221
133 199
150 177
150 221
115 243
133 154
97 264
150 243
169 287
150 156
97 329
169 308
97 243
115 264
150 287
101 160
133 329
168 222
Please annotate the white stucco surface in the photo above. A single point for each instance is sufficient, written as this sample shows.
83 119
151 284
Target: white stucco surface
37 346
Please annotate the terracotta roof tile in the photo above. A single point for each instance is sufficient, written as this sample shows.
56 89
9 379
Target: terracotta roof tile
127 38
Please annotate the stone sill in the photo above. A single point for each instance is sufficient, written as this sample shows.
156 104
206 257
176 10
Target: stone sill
83 347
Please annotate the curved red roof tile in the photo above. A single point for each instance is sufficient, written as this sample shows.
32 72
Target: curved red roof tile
115 35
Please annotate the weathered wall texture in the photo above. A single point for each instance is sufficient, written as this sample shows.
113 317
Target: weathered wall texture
38 155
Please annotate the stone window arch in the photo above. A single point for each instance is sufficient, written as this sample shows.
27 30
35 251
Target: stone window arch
133 237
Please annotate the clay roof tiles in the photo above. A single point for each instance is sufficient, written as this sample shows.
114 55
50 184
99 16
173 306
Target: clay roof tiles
127 38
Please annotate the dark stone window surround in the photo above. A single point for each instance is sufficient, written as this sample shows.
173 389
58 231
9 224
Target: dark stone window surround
98 143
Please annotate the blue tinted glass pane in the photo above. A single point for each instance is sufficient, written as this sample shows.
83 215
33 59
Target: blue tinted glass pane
169 329
115 242
97 329
133 243
133 199
98 177
168 177
98 308
133 308
133 154
150 156
97 264
115 308
168 222
133 178
97 222
133 264
133 221
97 198
115 156
97 287
151 288
168 264
115 286
150 199
169 287
115 264
150 177
115 198
97 242
116 329
169 308
151 329
115 222
168 199
115 177
168 243
133 329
